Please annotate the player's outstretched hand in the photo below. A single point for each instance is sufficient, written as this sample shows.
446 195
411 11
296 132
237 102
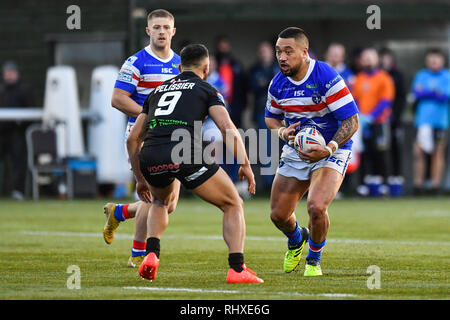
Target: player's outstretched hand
314 154
143 191
246 171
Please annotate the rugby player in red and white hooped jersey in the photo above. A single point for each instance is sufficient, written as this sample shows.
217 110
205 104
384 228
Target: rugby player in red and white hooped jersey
307 92
139 75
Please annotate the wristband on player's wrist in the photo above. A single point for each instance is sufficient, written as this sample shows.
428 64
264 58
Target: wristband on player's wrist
329 150
281 133
335 144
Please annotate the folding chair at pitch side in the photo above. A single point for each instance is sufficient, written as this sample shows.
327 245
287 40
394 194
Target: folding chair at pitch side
43 158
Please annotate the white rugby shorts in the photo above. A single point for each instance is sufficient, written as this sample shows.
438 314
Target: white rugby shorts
127 133
299 169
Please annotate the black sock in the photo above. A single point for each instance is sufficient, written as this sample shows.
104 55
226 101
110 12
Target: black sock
152 246
236 260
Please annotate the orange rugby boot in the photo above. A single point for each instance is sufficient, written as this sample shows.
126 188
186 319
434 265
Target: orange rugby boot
149 266
245 276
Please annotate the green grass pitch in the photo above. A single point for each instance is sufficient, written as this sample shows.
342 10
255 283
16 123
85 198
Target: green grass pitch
408 239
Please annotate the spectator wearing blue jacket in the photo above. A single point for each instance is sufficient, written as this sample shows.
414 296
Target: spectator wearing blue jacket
431 89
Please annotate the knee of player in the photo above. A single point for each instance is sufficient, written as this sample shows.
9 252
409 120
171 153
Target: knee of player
276 216
164 203
234 203
316 209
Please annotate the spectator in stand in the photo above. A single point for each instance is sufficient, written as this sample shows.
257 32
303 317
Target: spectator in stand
13 93
261 73
214 77
431 89
355 60
388 63
233 74
335 57
374 93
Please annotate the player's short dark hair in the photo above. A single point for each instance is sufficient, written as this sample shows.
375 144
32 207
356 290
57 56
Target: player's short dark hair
193 54
294 32
160 13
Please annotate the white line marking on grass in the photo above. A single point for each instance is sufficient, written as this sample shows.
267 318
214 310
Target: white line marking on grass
328 295
219 237
433 213
74 234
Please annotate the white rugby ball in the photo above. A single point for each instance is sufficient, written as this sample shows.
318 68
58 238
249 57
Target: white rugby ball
308 137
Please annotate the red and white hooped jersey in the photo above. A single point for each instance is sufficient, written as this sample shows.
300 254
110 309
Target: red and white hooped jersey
141 73
320 100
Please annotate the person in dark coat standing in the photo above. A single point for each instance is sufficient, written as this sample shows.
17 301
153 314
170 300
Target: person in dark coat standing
388 63
14 94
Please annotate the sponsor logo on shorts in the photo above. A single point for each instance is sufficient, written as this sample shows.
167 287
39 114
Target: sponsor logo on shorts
163 168
196 174
338 162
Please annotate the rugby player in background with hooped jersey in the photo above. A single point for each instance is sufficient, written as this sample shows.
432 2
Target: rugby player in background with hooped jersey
139 76
307 92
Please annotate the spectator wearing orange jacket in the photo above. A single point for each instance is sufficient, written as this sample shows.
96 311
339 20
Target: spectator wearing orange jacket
374 93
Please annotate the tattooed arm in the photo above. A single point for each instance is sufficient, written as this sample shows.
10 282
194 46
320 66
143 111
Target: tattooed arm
345 131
